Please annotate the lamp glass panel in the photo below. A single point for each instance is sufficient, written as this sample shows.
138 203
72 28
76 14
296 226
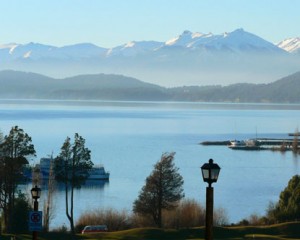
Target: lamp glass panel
39 192
215 174
205 174
36 192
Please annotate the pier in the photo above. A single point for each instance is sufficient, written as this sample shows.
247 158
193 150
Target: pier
274 144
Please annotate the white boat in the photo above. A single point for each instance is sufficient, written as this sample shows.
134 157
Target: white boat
96 173
237 143
250 144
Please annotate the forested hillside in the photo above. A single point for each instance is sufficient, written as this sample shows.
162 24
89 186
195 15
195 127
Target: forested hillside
21 85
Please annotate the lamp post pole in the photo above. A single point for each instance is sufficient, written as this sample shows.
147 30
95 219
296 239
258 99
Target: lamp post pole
35 208
210 174
209 213
35 193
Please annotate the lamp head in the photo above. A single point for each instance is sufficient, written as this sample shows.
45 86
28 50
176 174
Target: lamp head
36 192
210 172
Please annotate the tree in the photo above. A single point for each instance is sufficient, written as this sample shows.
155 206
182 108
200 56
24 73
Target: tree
20 219
163 190
14 150
71 167
48 212
288 206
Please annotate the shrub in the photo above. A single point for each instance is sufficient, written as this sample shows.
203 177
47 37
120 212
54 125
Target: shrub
113 219
188 214
220 217
61 229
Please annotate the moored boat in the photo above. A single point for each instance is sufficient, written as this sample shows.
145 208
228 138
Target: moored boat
43 168
237 143
250 144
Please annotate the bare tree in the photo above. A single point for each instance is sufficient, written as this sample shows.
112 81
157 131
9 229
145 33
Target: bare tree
48 204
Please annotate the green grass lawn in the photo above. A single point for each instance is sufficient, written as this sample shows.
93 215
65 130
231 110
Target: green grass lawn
279 231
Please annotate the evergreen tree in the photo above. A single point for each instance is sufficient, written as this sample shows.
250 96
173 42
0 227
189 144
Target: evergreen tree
288 206
71 167
163 190
20 220
14 150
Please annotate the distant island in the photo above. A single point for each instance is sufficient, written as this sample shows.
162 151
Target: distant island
24 85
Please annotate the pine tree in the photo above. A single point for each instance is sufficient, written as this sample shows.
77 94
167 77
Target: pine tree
163 190
71 168
288 206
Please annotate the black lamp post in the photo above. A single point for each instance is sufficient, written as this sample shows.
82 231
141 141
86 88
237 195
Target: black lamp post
35 194
210 174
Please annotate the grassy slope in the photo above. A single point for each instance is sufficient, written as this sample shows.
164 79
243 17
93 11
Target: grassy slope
278 231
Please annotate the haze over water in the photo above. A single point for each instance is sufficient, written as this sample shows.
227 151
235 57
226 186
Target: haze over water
129 138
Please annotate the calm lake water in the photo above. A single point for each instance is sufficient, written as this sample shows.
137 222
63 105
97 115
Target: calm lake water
128 138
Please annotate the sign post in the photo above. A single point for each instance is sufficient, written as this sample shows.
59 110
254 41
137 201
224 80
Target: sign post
35 221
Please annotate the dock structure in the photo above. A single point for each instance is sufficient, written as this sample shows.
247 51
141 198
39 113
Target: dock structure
275 144
216 143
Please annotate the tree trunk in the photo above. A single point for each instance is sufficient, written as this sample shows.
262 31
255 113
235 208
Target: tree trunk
159 222
71 213
67 205
48 208
160 198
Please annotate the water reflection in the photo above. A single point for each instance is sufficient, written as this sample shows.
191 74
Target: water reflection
89 197
296 162
89 184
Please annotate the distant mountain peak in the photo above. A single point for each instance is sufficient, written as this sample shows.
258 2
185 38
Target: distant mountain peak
291 45
235 41
239 30
8 45
184 39
130 44
133 48
186 32
221 58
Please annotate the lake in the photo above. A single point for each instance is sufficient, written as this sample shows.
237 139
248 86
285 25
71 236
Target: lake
128 138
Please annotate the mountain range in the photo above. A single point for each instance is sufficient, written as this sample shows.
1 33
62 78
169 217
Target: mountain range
187 59
24 85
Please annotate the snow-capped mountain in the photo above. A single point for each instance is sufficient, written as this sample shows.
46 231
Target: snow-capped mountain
187 59
291 45
187 38
31 50
236 41
36 51
134 48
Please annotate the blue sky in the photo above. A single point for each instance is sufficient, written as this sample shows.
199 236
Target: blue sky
109 23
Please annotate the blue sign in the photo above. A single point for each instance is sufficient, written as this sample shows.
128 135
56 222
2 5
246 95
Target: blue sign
35 221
